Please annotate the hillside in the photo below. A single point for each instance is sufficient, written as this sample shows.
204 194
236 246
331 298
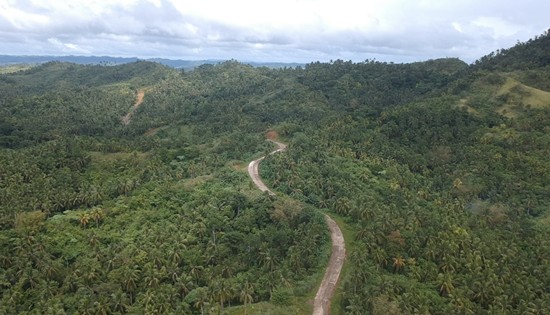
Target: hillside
532 54
437 169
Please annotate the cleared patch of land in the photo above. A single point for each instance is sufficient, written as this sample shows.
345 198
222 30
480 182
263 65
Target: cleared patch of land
514 94
139 99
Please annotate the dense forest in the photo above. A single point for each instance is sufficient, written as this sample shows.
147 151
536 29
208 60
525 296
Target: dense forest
439 171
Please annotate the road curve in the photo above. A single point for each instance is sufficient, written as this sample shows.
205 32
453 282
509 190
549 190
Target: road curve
253 169
321 304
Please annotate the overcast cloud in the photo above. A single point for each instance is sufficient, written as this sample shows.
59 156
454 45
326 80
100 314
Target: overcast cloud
270 30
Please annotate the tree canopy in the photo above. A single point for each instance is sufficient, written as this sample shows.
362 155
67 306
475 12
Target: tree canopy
440 170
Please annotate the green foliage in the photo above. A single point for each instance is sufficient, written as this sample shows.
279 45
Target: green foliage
281 296
98 216
441 168
523 56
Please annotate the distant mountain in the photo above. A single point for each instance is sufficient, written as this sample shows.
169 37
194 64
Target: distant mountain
7 59
108 60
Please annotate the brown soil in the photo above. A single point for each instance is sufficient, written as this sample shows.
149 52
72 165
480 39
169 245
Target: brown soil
139 99
272 135
321 304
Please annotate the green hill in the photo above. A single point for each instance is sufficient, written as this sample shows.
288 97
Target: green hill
439 170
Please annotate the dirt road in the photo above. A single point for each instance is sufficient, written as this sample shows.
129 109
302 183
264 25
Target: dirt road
321 304
253 168
139 99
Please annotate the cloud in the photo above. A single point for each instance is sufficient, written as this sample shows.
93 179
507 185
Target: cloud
20 19
68 47
283 30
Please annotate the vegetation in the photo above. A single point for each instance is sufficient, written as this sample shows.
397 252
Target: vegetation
439 170
99 218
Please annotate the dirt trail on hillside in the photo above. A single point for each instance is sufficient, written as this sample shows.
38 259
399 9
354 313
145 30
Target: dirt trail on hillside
321 304
253 168
139 99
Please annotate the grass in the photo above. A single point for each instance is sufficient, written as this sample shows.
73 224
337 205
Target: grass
504 95
464 104
543 222
190 183
13 68
299 307
515 93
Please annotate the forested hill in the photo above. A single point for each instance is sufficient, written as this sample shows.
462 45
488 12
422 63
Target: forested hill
58 76
532 54
439 171
347 85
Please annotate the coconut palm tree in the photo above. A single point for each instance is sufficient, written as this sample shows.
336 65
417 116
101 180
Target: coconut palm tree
246 295
446 284
201 299
398 263
84 219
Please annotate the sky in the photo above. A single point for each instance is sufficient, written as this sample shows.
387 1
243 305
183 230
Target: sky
270 30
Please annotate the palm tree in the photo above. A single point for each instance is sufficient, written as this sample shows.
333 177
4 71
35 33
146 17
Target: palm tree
342 206
84 219
120 301
324 203
266 258
94 196
131 280
246 295
196 271
355 307
380 256
101 308
202 299
97 215
446 284
221 291
93 240
398 263
184 284
363 234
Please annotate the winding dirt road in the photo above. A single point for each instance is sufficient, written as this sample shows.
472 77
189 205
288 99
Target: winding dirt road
253 168
321 304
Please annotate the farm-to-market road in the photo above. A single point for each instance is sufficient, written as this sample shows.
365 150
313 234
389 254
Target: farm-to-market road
321 304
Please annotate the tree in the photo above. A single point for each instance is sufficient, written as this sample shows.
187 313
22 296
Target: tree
446 284
221 291
398 263
201 300
246 295
84 219
97 215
